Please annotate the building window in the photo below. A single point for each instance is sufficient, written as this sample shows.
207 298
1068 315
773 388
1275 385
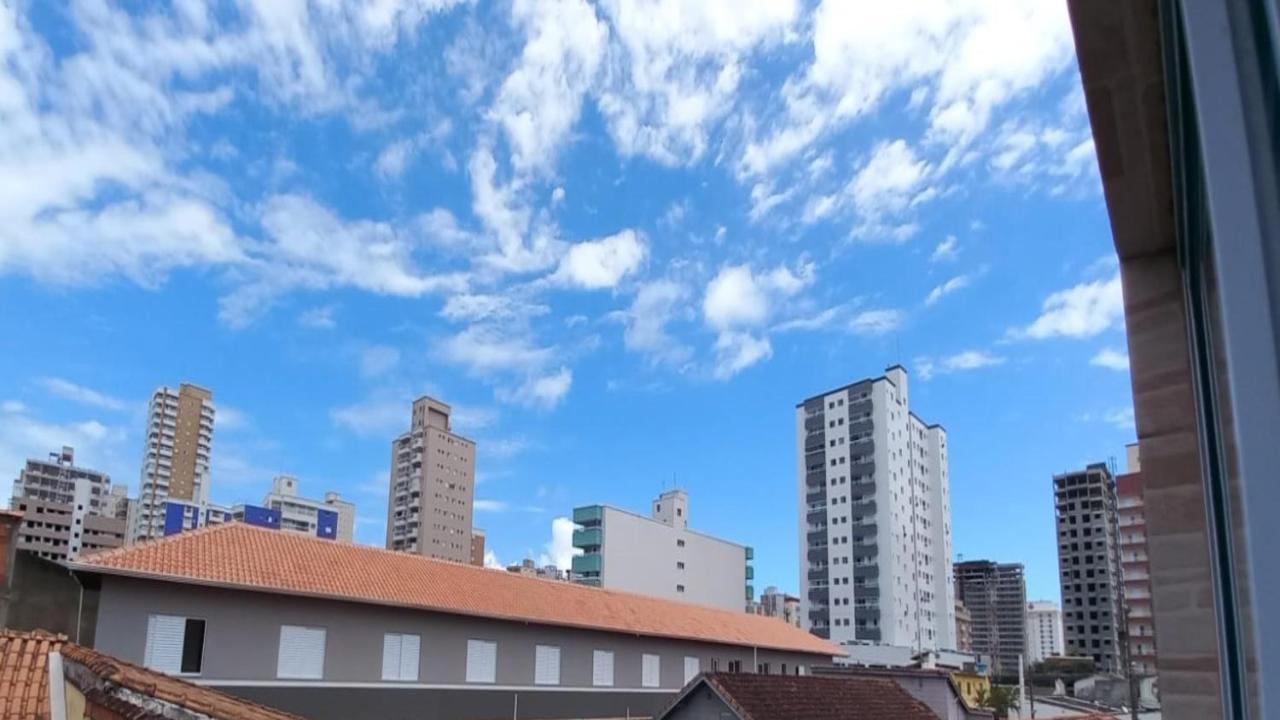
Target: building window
482 661
650 670
400 657
602 668
301 654
679 565
679 588
679 543
546 665
691 668
175 644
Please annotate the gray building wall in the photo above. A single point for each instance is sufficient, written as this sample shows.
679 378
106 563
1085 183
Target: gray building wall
242 638
701 704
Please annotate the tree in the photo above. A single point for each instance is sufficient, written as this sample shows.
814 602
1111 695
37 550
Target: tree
999 699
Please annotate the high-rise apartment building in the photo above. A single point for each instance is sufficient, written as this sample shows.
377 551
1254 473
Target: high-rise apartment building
660 555
1089 565
875 517
996 596
175 463
331 518
964 627
1044 630
433 474
61 505
1134 565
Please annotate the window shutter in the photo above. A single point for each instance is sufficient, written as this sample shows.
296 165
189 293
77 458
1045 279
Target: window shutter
602 668
409 646
649 670
691 668
301 654
391 656
164 643
482 660
546 665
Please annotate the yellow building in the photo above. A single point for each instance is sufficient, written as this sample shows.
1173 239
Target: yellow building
972 685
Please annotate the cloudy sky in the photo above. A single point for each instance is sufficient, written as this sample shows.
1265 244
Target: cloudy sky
623 238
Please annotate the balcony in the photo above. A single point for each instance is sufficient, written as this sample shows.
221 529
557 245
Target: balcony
588 515
751 573
751 553
588 538
589 563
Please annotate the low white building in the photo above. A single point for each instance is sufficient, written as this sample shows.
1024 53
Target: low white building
304 514
660 556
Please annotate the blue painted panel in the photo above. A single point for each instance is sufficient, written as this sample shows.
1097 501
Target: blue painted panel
174 516
262 517
327 524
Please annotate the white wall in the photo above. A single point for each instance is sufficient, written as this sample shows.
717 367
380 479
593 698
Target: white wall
641 555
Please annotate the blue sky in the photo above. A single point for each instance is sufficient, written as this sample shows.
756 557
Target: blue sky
622 238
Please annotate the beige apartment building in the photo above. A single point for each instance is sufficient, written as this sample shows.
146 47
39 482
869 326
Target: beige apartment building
433 474
61 505
176 456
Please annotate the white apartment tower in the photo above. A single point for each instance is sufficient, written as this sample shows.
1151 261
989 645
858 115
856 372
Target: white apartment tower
433 475
175 462
875 518
1044 630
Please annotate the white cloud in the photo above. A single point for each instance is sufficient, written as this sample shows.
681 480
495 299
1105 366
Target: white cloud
320 318
383 416
1121 418
492 506
655 305
946 250
392 160
541 391
958 282
539 102
892 180
81 394
476 307
231 418
557 196
1111 359
485 349
968 360
1081 311
492 562
377 360
737 351
559 551
677 66
97 445
964 58
738 297
603 263
876 322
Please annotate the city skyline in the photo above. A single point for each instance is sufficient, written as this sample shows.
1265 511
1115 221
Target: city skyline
606 310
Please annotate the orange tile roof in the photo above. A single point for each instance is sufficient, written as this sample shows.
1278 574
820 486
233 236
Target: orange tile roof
24 682
251 558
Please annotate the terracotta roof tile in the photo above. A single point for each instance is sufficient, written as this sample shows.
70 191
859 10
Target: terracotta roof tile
809 697
24 681
251 558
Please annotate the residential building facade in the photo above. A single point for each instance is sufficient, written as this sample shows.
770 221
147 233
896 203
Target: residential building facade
61 504
875 517
1044 630
1135 567
1089 565
175 463
477 547
659 555
336 630
433 473
964 627
996 596
532 569
777 604
729 696
332 518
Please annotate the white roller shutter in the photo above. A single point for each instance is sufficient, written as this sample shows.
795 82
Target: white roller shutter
391 656
602 668
409 650
546 665
691 668
482 661
164 643
301 654
400 657
650 670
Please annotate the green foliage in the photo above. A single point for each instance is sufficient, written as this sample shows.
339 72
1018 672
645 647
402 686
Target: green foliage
1000 699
